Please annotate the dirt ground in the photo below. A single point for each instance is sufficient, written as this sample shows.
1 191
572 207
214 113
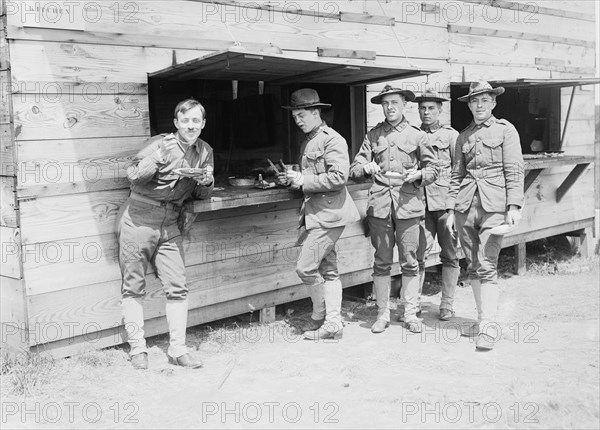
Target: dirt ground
544 373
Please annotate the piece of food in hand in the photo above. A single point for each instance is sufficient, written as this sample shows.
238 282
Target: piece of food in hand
502 229
393 175
190 172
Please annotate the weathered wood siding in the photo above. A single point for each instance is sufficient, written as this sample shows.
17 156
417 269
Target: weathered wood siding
13 312
77 109
81 110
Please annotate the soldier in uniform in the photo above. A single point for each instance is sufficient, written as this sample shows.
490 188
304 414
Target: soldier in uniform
486 192
398 158
443 141
148 232
327 208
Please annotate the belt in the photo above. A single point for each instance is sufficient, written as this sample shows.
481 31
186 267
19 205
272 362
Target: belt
140 198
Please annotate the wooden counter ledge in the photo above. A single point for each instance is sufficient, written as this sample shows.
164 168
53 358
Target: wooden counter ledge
232 197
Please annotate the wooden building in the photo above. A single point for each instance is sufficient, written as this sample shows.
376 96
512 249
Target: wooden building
84 84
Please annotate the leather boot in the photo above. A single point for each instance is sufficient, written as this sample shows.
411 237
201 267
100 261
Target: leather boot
186 360
317 296
488 327
382 286
140 361
421 283
318 308
133 320
332 328
476 287
410 291
449 282
176 311
311 324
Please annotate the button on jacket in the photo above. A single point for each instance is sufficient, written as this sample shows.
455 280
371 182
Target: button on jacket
154 178
443 143
489 160
396 149
325 164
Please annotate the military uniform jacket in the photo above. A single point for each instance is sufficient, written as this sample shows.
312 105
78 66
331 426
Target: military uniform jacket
443 142
489 160
154 178
325 164
396 149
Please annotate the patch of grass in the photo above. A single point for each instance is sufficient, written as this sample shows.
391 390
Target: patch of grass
25 373
546 257
102 358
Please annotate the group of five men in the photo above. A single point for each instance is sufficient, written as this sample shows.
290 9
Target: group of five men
427 182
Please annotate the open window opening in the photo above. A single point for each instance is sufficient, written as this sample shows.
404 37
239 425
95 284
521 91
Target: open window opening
532 106
246 123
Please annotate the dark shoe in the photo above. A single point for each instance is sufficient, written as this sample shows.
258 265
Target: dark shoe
311 325
484 342
379 326
414 326
446 314
186 360
321 333
140 361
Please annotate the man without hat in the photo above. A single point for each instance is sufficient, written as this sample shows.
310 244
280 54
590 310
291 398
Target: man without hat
148 231
327 208
398 158
486 191
443 142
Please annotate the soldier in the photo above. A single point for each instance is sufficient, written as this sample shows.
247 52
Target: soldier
486 192
326 210
443 141
399 160
148 232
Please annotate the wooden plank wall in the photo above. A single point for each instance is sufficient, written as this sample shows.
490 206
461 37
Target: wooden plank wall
8 202
13 312
80 111
485 43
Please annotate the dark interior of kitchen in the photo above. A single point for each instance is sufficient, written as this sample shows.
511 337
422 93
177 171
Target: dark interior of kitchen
535 113
245 121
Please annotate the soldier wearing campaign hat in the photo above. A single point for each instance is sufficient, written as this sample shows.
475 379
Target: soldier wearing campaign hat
397 157
327 208
443 141
486 191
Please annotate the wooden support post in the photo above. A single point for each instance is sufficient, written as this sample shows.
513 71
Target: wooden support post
570 180
531 177
368 290
587 242
562 138
267 315
520 259
582 241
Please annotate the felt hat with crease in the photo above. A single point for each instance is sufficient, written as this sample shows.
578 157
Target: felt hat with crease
481 87
430 95
408 95
305 98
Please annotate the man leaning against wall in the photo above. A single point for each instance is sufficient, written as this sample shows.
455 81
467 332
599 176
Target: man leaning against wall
171 169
